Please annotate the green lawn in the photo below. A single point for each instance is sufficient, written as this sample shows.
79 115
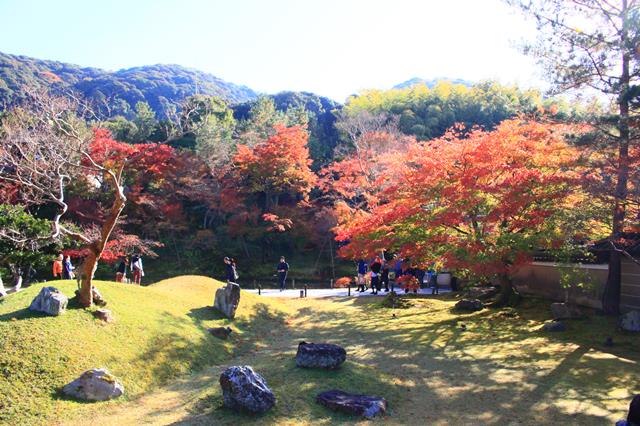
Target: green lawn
159 334
434 365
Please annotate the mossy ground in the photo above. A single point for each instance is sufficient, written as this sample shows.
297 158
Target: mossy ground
434 365
159 334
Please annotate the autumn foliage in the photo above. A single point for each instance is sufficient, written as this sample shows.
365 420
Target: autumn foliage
480 202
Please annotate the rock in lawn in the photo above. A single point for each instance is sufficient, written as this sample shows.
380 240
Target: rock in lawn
554 326
470 305
227 300
104 315
359 405
220 332
564 311
245 390
50 301
96 384
320 355
630 321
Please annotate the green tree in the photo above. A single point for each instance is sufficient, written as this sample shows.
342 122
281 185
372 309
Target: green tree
593 45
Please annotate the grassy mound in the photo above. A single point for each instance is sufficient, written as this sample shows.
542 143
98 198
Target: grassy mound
159 334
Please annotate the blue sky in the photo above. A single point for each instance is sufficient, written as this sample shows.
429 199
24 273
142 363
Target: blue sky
330 47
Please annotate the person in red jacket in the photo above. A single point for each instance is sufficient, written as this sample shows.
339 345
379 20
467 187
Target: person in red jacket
57 267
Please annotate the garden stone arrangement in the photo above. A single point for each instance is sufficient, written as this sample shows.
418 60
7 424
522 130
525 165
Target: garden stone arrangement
227 300
245 390
630 321
96 384
320 355
360 405
469 305
50 300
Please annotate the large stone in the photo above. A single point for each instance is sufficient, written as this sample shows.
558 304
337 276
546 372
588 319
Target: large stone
359 405
554 326
320 355
245 390
50 300
227 300
630 321
104 315
470 305
482 293
220 332
96 384
562 311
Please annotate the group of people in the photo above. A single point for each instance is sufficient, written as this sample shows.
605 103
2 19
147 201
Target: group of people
378 270
135 265
63 269
282 270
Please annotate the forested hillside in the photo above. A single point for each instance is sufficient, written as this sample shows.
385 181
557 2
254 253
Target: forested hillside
116 93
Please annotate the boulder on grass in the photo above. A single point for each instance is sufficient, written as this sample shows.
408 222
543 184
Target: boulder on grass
227 300
630 321
320 355
554 326
245 390
482 293
104 315
562 311
470 305
96 384
220 332
50 300
359 405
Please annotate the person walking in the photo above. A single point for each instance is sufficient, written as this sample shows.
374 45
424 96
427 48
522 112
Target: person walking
121 271
136 269
362 271
57 267
283 270
375 267
67 268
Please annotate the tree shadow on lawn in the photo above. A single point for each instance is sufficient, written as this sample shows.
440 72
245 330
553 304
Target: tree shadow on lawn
489 371
296 390
171 354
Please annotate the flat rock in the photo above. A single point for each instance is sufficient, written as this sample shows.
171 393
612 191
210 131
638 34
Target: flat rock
220 332
554 326
562 311
227 300
50 300
104 315
359 405
470 305
320 355
245 390
482 293
96 384
630 321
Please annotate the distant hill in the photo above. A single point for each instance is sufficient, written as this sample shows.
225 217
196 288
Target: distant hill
432 82
158 85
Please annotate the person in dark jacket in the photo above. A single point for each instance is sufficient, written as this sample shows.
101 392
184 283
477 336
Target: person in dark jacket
121 271
376 267
229 270
67 268
283 270
384 277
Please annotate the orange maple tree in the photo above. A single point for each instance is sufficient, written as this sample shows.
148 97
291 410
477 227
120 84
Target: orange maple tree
480 203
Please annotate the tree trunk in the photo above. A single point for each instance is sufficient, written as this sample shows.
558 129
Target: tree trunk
97 247
88 269
506 291
611 293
